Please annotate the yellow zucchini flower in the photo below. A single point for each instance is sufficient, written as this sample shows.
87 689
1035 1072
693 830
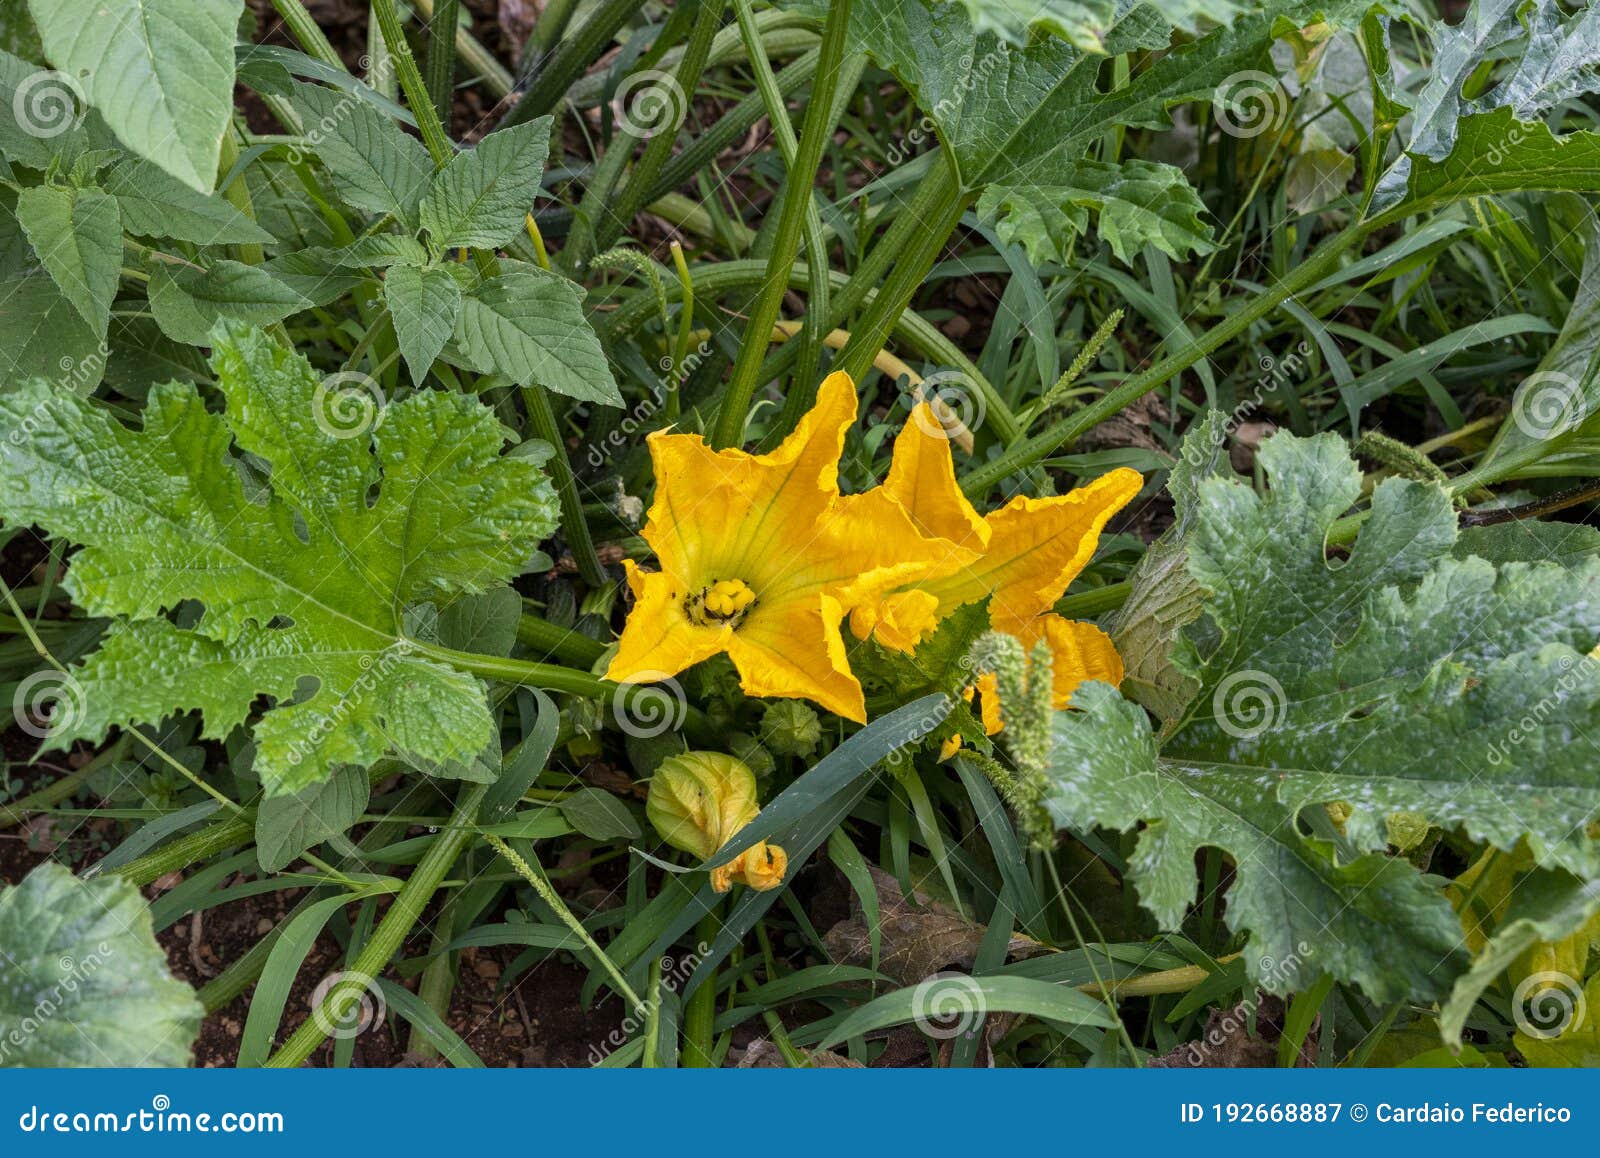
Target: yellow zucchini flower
759 561
1021 557
698 802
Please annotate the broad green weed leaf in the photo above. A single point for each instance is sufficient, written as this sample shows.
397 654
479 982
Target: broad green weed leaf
159 71
424 304
188 302
1399 679
374 164
82 980
529 325
483 196
156 204
303 588
42 335
288 825
77 234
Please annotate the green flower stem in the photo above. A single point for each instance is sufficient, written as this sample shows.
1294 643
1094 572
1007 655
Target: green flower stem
635 193
177 855
567 62
397 923
700 1011
815 324
542 424
797 190
411 83
564 679
562 642
1030 451
925 240
1087 604
441 77
308 34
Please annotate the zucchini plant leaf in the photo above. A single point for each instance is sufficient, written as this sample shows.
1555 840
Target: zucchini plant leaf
1085 22
1018 123
1399 679
302 586
159 71
82 980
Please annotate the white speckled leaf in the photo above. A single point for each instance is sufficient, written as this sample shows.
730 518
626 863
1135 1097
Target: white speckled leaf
82 980
1398 679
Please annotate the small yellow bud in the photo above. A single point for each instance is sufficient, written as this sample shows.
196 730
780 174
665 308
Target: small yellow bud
699 801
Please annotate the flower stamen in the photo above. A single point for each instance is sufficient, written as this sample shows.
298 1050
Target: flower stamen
722 603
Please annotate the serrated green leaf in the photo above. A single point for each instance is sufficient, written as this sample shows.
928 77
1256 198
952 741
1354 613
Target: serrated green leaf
83 981
302 588
159 71
156 204
374 165
482 197
1138 203
1400 679
42 334
529 325
77 234
287 826
424 304
187 302
41 113
1085 22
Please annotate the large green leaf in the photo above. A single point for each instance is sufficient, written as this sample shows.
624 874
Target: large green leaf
424 304
42 334
288 825
159 71
529 325
1019 122
82 980
187 302
1400 679
77 234
374 165
1086 22
303 587
155 204
483 196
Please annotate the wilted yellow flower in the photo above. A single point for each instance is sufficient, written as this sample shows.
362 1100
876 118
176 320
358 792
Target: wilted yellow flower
698 802
758 560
